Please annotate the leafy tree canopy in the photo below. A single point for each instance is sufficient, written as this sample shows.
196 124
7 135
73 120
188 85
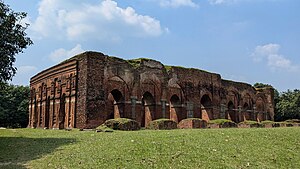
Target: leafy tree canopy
288 105
14 106
12 40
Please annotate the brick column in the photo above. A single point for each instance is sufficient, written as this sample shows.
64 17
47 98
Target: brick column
240 116
163 107
254 114
190 109
223 110
133 106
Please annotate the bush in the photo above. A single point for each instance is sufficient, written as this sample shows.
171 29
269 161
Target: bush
192 123
250 124
293 121
267 122
162 124
223 123
121 124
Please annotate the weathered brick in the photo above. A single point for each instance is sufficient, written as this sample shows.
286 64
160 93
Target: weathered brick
90 88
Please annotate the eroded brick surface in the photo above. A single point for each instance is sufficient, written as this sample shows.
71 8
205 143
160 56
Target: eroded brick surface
90 88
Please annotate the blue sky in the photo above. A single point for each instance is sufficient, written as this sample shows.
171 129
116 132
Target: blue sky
243 40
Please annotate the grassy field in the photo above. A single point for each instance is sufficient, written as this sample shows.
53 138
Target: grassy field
201 148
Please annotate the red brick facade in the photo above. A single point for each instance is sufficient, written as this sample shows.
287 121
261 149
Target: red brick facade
90 88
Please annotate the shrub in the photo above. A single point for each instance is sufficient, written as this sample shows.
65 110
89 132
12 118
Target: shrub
293 121
192 123
250 124
223 123
103 128
162 124
267 122
121 124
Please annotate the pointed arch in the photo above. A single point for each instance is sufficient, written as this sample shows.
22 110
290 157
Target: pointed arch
206 108
231 111
148 114
247 112
116 104
176 113
260 109
62 112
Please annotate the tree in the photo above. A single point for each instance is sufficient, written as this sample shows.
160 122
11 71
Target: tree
14 106
288 106
12 40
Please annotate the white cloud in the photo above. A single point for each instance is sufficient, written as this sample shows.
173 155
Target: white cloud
219 2
63 54
178 3
26 69
78 20
275 60
23 74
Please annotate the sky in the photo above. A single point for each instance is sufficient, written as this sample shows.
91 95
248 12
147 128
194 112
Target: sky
243 40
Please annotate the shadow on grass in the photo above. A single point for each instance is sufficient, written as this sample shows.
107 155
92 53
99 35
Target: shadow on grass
16 151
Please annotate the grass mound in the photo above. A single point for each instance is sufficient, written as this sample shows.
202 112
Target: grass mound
293 121
192 123
162 124
267 122
121 124
248 124
222 123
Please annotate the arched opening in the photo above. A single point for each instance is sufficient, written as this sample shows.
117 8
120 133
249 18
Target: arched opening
231 112
149 109
47 119
116 104
176 109
206 108
62 112
35 117
246 112
260 109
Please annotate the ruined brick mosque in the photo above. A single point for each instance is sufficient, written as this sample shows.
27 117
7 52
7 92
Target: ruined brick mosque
89 88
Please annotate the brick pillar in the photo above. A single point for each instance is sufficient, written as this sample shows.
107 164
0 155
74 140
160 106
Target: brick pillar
254 114
133 106
240 115
190 109
223 110
30 116
163 107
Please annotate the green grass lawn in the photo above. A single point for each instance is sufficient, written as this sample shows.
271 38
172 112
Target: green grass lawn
198 148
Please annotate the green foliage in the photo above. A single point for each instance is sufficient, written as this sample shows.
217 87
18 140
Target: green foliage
12 40
249 122
162 124
288 106
14 106
121 124
293 121
104 128
220 121
267 122
136 63
168 68
261 85
206 148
